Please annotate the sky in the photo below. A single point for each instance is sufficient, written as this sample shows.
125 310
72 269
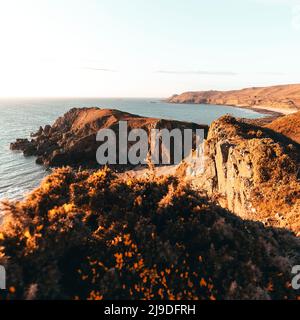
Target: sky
143 48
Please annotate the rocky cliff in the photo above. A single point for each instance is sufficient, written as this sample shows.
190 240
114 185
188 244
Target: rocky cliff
71 140
252 171
277 97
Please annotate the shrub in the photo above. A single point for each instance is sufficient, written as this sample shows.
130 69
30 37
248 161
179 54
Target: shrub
85 235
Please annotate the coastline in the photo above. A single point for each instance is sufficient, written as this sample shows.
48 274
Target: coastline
275 100
22 181
269 111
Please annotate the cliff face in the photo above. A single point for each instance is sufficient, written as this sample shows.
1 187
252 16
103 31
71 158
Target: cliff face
281 97
71 140
254 172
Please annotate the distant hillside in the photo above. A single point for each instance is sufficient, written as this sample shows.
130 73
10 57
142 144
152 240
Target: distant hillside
277 97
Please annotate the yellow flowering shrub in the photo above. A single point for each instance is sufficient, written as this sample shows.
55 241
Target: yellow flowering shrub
92 235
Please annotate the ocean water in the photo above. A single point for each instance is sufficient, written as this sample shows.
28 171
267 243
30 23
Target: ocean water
18 118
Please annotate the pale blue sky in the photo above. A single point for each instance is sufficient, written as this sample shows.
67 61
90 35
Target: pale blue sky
146 48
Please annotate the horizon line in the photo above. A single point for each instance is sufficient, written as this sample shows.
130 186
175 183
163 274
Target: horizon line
143 97
81 97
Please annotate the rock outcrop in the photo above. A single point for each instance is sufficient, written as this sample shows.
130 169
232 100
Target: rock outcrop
253 171
71 140
277 97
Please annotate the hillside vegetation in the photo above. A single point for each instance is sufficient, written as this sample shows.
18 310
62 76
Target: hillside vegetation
84 235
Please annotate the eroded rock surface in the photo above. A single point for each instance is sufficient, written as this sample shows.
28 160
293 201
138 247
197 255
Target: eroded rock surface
252 171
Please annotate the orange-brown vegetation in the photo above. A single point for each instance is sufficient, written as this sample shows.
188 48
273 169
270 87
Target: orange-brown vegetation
288 125
84 235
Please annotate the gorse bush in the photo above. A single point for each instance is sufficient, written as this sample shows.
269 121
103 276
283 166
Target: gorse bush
85 235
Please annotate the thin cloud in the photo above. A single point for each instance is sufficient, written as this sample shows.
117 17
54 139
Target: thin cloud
272 73
278 2
198 72
98 69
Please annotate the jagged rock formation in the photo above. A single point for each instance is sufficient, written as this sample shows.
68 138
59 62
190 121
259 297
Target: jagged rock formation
71 140
277 97
288 125
254 172
96 236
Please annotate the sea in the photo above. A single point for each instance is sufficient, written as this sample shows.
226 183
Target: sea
20 117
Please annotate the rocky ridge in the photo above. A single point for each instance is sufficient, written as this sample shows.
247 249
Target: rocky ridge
71 140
